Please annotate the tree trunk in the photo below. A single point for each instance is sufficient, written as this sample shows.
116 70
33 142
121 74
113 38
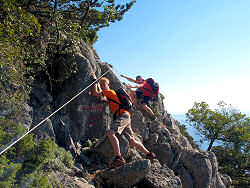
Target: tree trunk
210 145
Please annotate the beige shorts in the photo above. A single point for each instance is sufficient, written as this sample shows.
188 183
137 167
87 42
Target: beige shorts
122 124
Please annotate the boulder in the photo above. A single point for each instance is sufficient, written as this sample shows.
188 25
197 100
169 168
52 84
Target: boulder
127 175
160 177
185 176
69 179
226 180
199 167
105 150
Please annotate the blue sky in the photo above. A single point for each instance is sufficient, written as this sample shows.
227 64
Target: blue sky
196 50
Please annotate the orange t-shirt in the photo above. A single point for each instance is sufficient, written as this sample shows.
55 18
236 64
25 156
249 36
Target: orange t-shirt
114 106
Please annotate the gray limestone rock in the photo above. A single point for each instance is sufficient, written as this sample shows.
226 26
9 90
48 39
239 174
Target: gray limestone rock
226 180
160 177
26 117
199 167
105 150
127 175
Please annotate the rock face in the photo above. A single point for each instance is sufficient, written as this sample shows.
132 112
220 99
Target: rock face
70 179
128 175
86 120
160 177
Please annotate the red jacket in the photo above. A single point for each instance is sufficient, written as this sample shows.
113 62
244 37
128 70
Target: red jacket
147 89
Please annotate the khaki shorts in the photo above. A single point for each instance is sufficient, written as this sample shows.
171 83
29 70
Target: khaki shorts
122 124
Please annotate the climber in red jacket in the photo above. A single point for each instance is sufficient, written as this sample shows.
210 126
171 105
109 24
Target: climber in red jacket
143 91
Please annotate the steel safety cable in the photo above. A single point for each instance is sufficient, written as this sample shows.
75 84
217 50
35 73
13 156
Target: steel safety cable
53 113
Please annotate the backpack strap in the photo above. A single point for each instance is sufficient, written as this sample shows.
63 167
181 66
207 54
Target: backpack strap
148 89
150 86
112 100
151 91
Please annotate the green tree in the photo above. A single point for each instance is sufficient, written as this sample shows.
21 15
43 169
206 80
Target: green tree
224 124
15 26
76 18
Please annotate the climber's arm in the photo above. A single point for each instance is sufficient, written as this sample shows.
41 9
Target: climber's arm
129 79
96 90
136 86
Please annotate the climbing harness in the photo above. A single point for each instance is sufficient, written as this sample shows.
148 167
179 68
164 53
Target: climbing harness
53 113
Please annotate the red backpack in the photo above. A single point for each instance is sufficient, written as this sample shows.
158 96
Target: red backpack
154 85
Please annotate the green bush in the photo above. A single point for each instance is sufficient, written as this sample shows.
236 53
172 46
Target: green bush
61 158
8 171
34 168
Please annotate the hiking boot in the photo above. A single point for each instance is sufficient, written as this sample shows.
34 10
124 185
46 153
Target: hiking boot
117 162
150 156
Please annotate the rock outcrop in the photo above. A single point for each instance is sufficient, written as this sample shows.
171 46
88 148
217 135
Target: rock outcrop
81 127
